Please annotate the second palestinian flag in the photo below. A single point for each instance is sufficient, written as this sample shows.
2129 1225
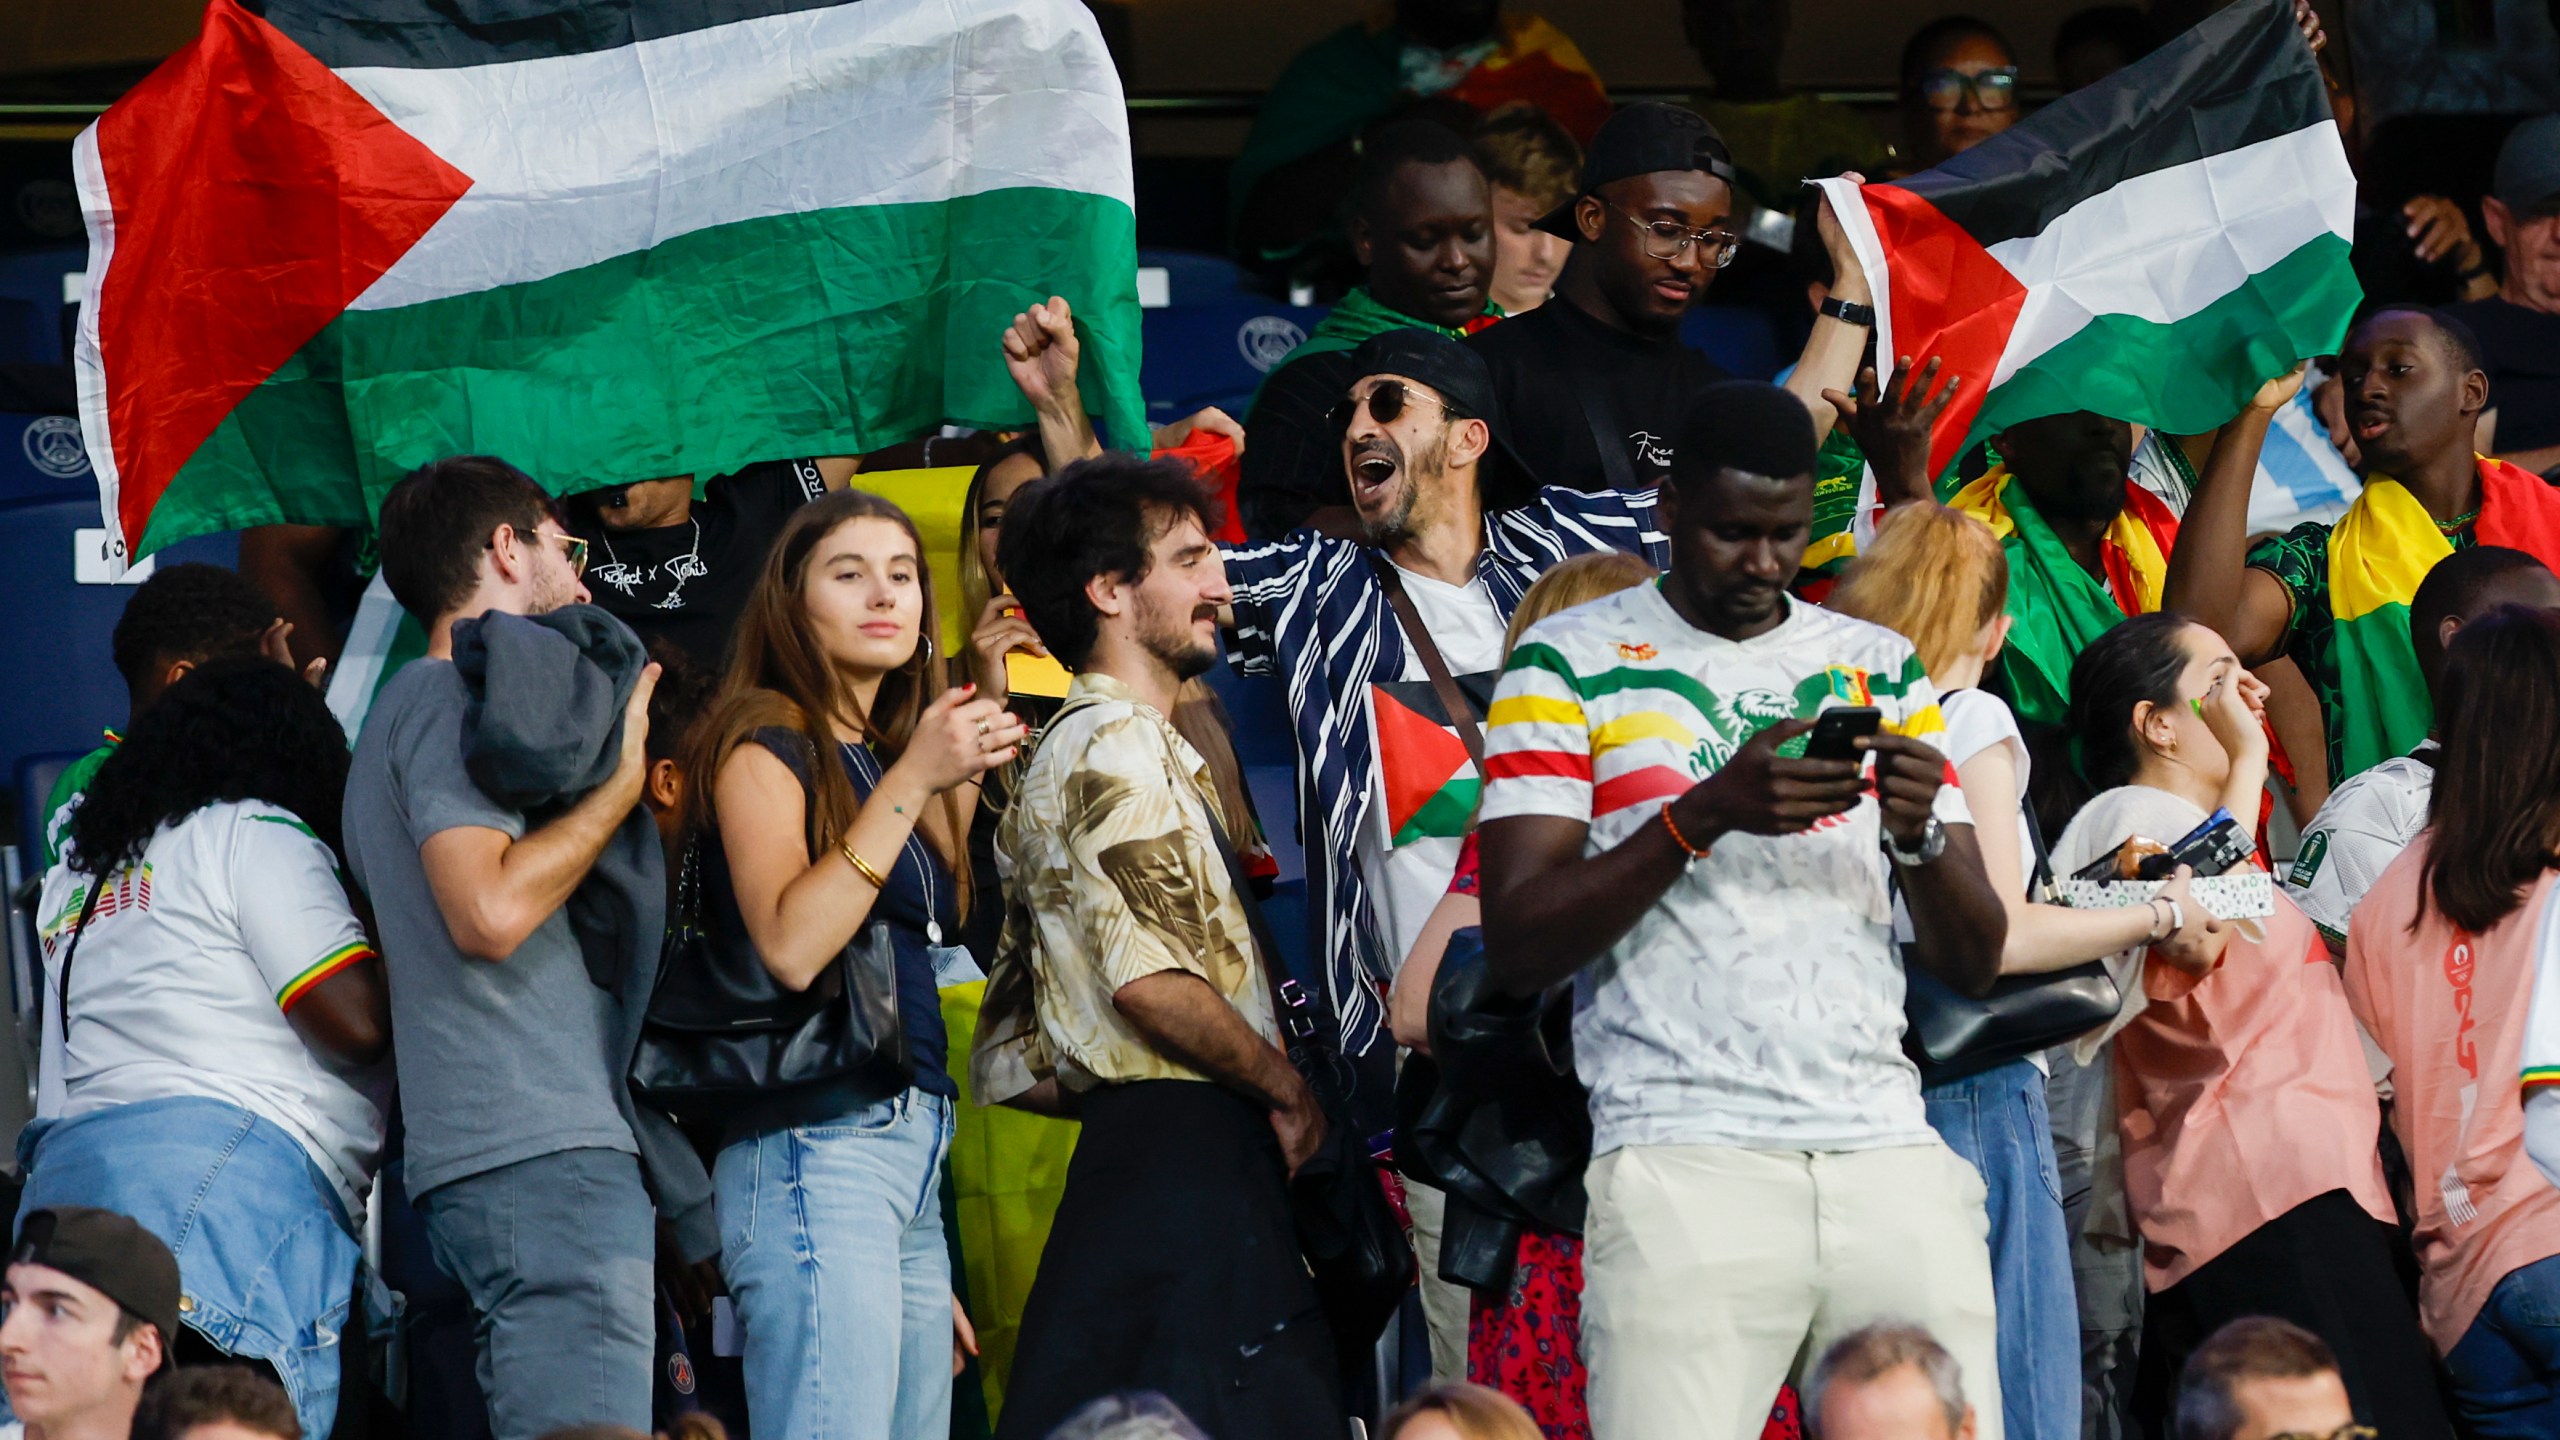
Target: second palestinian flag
2151 248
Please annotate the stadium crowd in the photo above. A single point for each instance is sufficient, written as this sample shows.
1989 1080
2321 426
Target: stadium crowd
1794 943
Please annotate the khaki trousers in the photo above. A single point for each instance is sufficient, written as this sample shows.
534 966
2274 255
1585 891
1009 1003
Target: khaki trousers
1444 1306
1714 1274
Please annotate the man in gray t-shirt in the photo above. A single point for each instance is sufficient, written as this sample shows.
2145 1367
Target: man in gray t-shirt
518 1157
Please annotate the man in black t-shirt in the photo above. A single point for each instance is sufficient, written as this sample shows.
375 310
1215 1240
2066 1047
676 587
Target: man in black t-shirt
668 565
1604 358
2519 327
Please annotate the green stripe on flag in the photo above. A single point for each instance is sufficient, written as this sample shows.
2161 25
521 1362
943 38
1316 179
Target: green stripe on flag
1445 814
830 332
2190 375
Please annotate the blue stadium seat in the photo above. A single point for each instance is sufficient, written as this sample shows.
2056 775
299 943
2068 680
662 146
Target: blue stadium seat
1215 351
31 304
57 640
41 459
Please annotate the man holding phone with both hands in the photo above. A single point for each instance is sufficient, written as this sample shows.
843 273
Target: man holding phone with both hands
1763 1172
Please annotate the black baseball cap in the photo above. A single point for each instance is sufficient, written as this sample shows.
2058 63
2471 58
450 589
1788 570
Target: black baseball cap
2527 180
1646 137
1459 374
110 1253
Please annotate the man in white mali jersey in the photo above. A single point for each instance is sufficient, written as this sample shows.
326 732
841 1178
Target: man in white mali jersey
1763 1174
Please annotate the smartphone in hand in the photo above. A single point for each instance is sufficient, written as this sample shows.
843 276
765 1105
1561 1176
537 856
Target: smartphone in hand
1836 732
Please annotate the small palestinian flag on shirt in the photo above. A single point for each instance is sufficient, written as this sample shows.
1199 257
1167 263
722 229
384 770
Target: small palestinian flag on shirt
1429 783
608 240
2151 248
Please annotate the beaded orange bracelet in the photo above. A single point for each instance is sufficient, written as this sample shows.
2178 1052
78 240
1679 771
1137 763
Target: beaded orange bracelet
1694 853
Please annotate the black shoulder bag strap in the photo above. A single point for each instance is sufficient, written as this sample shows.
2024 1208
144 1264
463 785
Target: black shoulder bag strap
62 988
1462 711
1607 434
2040 886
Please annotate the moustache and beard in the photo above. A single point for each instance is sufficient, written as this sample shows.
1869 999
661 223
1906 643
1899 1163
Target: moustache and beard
1176 643
1389 522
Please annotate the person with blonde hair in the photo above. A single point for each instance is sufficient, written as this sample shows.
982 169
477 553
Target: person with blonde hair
1458 1412
1939 578
1533 166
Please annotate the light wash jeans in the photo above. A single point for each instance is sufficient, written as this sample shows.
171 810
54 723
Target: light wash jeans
266 1252
2506 1367
1997 1120
831 1240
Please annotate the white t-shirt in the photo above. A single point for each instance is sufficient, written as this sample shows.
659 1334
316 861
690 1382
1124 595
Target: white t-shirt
2361 828
1758 1004
180 988
1423 791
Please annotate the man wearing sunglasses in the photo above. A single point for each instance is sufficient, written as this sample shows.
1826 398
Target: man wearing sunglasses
1596 384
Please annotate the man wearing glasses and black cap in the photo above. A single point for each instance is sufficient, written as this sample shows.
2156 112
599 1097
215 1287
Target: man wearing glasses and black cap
1595 386
91 1305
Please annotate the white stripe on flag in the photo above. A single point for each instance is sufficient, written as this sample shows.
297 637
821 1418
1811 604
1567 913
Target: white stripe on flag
581 158
359 671
2165 245
88 372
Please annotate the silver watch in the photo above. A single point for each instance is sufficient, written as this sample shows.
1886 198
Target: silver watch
1933 843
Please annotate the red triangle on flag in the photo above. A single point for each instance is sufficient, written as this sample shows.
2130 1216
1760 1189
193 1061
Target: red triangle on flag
1417 756
1951 299
255 196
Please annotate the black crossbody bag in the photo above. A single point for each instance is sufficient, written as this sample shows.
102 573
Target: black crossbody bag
1950 1035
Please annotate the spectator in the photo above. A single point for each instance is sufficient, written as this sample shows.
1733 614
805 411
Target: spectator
2090 45
1938 578
2414 388
178 619
837 723
1300 160
1776 138
1650 227
669 566
1423 229
1890 1382
217 1402
520 1157
2369 820
684 695
1174 1263
2519 326
1142 1416
1457 1412
1624 823
2245 1113
91 1308
1959 88
211 1068
2440 967
1531 163
2260 1378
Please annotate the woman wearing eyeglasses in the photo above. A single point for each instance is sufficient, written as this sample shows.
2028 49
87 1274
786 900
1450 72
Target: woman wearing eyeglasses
1959 88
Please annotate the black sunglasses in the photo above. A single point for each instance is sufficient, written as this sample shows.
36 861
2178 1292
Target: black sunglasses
1386 402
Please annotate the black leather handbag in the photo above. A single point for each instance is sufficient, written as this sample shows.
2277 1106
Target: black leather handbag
720 1030
1950 1035
1353 1241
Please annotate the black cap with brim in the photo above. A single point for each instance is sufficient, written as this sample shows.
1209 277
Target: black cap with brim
110 1253
1427 357
2528 172
1643 139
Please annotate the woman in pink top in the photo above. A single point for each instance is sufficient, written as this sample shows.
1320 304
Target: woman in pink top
2246 1115
2441 958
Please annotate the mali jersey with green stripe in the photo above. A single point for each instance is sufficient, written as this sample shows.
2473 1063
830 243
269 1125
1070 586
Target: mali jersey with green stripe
1758 1003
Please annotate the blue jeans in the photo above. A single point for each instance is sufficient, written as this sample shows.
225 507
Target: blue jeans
558 1255
2506 1369
831 1240
1997 1120
265 1249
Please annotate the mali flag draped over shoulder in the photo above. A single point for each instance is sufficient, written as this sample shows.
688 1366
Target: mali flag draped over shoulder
609 240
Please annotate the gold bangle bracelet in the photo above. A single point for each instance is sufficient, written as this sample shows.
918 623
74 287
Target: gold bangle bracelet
861 866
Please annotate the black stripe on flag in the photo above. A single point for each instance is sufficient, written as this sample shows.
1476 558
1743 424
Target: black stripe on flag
2242 76
455 34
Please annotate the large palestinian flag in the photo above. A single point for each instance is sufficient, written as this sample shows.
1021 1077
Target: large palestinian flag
2151 248
605 239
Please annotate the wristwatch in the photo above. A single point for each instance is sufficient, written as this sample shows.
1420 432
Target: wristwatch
1933 843
1849 312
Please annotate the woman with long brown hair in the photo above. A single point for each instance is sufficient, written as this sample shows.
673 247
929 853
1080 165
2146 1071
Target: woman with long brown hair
2449 965
842 771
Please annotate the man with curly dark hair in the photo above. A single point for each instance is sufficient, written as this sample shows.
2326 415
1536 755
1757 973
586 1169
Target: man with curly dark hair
217 1402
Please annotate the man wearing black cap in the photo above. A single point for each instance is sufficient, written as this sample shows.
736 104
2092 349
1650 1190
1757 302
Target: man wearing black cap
1764 1179
1596 386
92 1301
2519 327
